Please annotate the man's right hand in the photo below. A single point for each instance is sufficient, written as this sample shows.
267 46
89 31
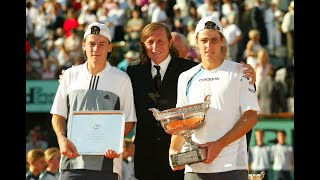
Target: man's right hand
60 76
170 162
62 71
67 148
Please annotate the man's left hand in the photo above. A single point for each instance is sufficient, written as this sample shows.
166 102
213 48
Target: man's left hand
249 72
213 150
111 154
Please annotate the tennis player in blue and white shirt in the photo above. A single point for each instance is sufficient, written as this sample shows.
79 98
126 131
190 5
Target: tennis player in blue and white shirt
231 114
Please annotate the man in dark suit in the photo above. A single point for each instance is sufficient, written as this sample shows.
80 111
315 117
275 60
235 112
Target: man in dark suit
151 141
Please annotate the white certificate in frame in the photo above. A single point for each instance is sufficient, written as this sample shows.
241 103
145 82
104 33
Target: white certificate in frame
93 132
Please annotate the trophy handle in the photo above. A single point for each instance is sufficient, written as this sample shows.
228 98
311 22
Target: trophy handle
155 113
206 102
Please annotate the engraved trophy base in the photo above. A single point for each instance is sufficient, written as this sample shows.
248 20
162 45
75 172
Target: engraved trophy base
256 176
188 157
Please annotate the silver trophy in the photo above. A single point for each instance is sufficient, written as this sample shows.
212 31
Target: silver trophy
184 121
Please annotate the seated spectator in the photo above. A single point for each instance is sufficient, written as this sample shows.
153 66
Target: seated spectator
128 161
36 163
35 142
130 56
52 157
133 29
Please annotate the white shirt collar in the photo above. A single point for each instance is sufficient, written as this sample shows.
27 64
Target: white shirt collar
163 67
107 68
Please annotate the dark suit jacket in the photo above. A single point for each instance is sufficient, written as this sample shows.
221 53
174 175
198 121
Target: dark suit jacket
151 141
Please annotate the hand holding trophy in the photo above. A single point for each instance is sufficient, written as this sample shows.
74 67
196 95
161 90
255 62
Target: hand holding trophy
184 121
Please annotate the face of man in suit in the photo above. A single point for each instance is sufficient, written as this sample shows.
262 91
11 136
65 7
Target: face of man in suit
157 45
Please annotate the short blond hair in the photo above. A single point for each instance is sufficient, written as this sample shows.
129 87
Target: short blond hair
253 33
50 153
34 155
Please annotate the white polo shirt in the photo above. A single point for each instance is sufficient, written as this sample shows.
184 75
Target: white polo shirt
78 90
231 95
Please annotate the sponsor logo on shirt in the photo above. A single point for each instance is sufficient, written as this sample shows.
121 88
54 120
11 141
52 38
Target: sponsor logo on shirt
252 90
209 79
106 97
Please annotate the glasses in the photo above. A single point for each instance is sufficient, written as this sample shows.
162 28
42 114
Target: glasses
211 25
95 30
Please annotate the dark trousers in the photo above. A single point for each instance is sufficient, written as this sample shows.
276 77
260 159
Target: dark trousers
83 174
266 174
229 175
281 175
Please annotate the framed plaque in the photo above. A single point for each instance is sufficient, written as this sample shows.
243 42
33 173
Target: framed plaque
93 132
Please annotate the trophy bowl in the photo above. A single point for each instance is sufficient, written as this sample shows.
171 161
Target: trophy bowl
184 121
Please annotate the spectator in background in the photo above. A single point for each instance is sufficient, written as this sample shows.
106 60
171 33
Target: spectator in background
282 77
31 73
48 72
38 56
36 163
40 26
133 28
128 160
192 18
118 15
61 55
191 27
287 27
230 10
52 157
273 18
179 24
55 18
245 24
282 157
71 22
159 14
269 94
263 66
181 44
28 47
253 47
72 45
34 141
130 57
233 35
132 6
211 10
259 155
78 60
258 22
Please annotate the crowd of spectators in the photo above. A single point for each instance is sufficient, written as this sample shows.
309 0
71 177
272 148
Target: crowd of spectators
260 31
54 31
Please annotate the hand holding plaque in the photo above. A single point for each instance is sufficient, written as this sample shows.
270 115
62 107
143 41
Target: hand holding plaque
184 121
97 132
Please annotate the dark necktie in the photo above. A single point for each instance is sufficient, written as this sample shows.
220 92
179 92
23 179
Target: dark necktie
157 78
